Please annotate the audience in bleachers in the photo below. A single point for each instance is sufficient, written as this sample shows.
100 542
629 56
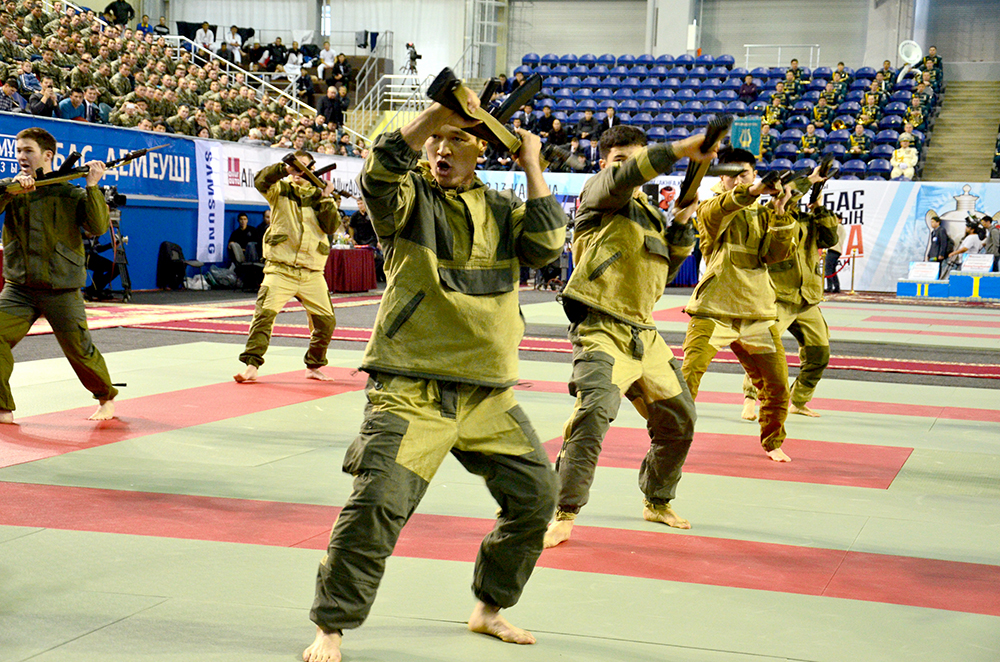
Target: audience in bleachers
91 68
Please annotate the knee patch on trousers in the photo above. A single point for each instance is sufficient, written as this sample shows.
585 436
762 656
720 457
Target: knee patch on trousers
814 359
323 325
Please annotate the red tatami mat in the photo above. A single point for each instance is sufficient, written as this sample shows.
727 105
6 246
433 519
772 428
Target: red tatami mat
660 555
820 462
47 435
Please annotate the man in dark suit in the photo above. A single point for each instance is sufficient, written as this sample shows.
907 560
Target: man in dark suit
610 120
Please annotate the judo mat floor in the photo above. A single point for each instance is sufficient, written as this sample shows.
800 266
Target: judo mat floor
190 527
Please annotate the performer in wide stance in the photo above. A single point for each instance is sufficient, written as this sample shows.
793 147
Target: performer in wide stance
627 252
43 265
295 252
441 360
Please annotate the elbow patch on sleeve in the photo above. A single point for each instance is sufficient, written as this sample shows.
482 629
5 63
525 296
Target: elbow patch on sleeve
392 155
659 158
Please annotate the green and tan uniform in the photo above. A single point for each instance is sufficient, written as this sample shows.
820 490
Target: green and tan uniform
626 253
734 302
295 253
442 358
798 283
43 264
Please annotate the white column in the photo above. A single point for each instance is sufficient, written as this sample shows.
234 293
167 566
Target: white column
669 30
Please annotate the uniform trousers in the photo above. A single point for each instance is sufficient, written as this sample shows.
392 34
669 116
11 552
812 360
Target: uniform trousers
757 345
281 283
21 306
806 324
410 426
611 359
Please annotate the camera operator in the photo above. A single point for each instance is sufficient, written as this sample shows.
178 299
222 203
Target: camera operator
102 267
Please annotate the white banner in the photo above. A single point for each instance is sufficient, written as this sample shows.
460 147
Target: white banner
888 222
242 163
211 202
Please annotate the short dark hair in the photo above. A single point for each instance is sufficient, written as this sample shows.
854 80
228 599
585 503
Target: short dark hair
75 90
11 81
302 152
736 155
44 139
621 136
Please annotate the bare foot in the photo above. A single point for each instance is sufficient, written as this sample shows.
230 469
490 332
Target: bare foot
558 532
6 416
749 409
105 411
248 375
317 374
802 411
665 514
325 648
778 455
486 619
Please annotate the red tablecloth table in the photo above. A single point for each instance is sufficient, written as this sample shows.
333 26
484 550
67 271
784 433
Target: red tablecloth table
350 270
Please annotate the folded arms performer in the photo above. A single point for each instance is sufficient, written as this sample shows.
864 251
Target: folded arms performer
44 266
295 252
442 360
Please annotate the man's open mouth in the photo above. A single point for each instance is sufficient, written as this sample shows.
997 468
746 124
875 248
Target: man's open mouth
443 167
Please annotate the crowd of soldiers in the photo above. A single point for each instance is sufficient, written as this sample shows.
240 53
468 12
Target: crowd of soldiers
81 66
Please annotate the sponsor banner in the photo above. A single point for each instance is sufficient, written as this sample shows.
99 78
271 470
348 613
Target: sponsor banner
242 162
887 223
167 173
211 202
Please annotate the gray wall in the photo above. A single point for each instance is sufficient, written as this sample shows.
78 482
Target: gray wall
964 31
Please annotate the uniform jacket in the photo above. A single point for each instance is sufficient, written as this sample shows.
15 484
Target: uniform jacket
938 251
992 243
42 243
452 261
739 238
300 220
799 279
625 252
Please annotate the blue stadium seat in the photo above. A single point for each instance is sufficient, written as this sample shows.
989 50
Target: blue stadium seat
790 136
575 117
560 115
762 166
572 82
619 70
776 73
759 72
855 95
591 81
684 95
622 94
902 96
866 73
628 106
787 151
672 83
588 59
544 102
625 60
799 107
641 120
843 137
737 107
837 149
560 70
602 94
780 164
650 84
650 106
566 104
552 81
545 92
659 71
894 122
693 107
727 96
645 60
531 59
599 70
738 72
587 104
726 61
690 84
822 72
657 134
679 72
614 82
712 84
719 72
663 94
770 85
849 108
698 72
686 120
684 60
523 69
569 59
584 144
543 70
905 85
701 121
607 103
854 167
665 60
757 107
847 177
895 108
879 167
812 96
804 163
631 83
881 151
663 119
859 84
887 137
643 95
638 70
607 59
550 59
677 133
705 95
579 70
822 134
797 122
624 117
705 61
715 107
732 84
672 106
818 84
919 135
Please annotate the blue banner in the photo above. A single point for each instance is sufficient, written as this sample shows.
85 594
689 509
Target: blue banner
745 134
166 173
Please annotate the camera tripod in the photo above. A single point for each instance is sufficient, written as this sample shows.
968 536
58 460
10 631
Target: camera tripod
120 259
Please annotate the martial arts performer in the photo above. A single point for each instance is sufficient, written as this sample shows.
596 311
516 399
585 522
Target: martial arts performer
627 252
734 302
43 265
295 252
442 360
798 283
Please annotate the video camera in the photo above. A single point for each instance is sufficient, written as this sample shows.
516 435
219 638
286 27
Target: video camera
113 197
412 51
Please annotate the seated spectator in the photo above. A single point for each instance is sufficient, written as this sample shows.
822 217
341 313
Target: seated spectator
121 12
161 28
876 94
932 75
926 95
793 68
235 44
544 123
831 95
516 82
44 102
780 95
860 142
277 54
748 90
558 135
908 132
499 159
294 60
839 83
842 72
93 111
588 127
27 81
577 159
243 243
822 114
610 120
143 26
504 84
865 120
884 84
256 56
529 119
225 53
775 113
915 115
809 143
341 72
904 160
871 107
326 59
767 142
888 73
204 37
793 87
72 107
932 59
